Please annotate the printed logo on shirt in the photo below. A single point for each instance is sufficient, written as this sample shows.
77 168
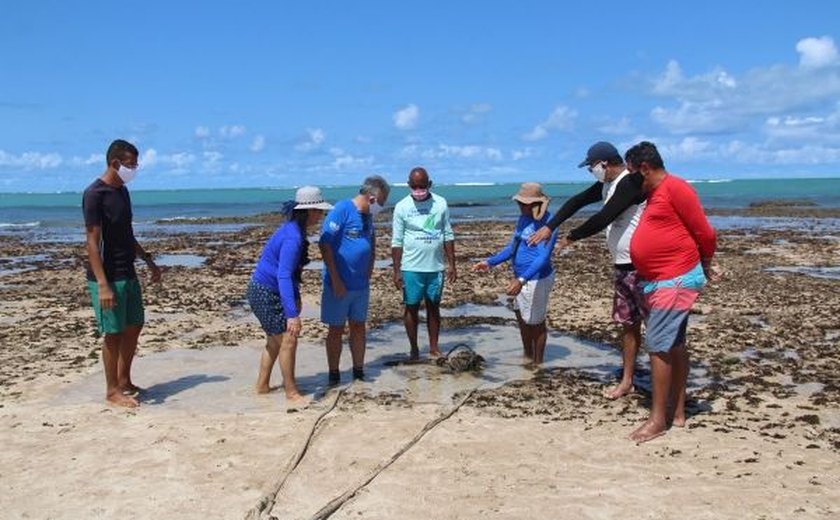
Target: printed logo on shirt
334 226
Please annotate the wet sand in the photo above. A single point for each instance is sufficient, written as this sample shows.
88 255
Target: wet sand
762 440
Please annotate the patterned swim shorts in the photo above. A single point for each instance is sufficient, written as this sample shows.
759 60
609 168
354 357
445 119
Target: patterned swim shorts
627 298
667 305
267 307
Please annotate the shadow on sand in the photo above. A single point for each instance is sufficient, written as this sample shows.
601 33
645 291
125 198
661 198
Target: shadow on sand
159 393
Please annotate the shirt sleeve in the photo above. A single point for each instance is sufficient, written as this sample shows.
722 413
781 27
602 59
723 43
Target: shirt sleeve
626 194
333 227
91 202
448 234
543 258
397 228
588 196
691 213
507 253
287 264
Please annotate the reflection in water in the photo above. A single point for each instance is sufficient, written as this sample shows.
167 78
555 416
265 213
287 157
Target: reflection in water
832 273
178 379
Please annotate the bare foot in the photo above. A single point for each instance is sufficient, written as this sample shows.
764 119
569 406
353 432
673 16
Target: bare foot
260 389
414 354
131 389
678 421
118 399
434 354
296 402
618 391
649 430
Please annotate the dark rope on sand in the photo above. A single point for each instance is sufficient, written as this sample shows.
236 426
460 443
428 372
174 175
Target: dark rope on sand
336 503
266 503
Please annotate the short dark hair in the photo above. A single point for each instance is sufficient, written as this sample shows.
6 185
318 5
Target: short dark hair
119 149
644 152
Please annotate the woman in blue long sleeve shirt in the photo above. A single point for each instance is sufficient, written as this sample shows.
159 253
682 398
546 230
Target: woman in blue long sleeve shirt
274 289
533 273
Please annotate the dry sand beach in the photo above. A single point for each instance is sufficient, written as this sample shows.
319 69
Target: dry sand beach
762 441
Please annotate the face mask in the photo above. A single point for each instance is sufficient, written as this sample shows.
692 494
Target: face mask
420 194
127 174
375 207
598 171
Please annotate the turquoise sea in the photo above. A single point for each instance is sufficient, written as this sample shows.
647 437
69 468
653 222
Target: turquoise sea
45 217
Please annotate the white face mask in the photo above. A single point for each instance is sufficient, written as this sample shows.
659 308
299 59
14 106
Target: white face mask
375 207
127 174
598 171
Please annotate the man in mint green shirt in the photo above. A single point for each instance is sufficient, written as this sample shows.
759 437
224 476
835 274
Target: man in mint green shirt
422 235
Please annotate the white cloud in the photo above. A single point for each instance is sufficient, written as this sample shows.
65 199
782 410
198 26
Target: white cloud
617 127
406 118
231 132
202 132
258 144
518 155
446 151
820 129
350 162
562 118
179 161
687 149
92 160
30 160
817 52
476 112
148 158
315 136
718 102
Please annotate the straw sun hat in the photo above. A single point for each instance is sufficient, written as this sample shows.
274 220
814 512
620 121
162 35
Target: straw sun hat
531 192
309 197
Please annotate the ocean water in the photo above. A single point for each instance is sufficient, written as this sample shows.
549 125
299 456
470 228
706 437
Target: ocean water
57 217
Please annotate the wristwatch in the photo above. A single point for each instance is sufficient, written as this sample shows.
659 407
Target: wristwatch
522 280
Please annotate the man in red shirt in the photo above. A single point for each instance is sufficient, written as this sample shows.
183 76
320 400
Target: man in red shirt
672 251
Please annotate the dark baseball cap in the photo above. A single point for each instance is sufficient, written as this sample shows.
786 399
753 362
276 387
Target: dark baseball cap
600 151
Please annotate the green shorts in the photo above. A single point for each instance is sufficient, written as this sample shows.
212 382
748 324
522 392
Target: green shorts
127 310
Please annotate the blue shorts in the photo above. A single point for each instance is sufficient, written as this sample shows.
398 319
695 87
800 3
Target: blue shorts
422 286
353 306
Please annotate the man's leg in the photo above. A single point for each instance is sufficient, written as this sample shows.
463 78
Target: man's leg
357 348
524 333
433 326
128 347
411 319
539 335
272 347
334 335
631 338
661 366
679 354
110 361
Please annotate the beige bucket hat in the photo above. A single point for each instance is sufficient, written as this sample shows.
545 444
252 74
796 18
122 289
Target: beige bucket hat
531 192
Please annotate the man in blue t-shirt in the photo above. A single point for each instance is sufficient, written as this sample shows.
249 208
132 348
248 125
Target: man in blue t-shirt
348 246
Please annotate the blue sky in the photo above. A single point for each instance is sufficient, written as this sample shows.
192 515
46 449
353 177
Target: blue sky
248 94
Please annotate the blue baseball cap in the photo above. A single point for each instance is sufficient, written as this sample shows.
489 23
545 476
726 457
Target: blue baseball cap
600 151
